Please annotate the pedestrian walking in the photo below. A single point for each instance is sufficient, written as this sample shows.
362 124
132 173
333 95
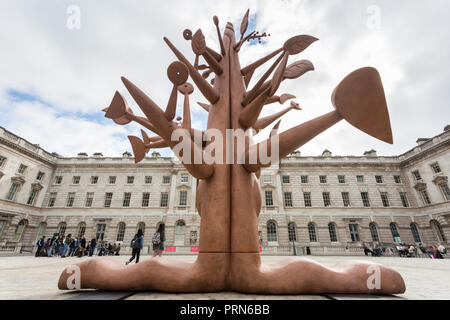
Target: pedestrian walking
136 244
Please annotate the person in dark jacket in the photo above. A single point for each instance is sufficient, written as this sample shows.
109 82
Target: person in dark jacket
82 246
92 246
137 243
40 244
158 248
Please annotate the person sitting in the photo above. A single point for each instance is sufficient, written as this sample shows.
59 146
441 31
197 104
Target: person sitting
117 250
411 251
441 249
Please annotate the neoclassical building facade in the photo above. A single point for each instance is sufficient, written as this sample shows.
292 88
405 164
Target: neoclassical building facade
316 202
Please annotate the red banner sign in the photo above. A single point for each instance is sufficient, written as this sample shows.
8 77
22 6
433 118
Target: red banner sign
171 249
194 249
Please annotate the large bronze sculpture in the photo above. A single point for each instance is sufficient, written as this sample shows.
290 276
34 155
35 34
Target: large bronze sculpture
228 196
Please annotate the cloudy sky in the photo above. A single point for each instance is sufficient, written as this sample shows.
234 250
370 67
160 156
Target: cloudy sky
55 79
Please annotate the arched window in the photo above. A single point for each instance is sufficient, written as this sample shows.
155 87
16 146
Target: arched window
291 232
436 226
121 231
81 229
312 232
271 231
333 232
374 232
415 232
141 226
62 228
19 230
394 232
180 227
41 231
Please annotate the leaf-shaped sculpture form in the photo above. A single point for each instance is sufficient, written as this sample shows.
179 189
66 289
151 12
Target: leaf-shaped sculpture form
244 23
298 43
145 137
297 69
285 97
198 43
117 108
360 100
138 148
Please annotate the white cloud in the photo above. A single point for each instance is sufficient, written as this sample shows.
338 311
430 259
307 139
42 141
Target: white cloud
75 72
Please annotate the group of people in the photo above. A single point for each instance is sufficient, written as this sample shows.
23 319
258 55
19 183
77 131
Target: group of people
408 250
66 246
138 242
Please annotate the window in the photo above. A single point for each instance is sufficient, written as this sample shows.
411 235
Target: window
323 179
365 199
354 233
288 199
425 197
12 191
40 175
326 199
52 199
94 179
108 199
166 179
404 199
148 179
33 196
286 179
379 179
360 179
100 233
112 179
76 179
291 232
346 199
332 231
120 231
445 191
19 230
374 232
304 179
312 232
384 199
130 179
269 198
2 161
164 199
81 230
307 198
436 168
145 199
394 232
415 232
22 169
416 175
126 199
397 179
70 199
183 198
58 179
62 228
184 178
341 179
437 229
271 231
89 199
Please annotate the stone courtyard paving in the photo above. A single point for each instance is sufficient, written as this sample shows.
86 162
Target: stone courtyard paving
27 277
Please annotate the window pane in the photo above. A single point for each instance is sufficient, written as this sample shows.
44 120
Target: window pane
384 199
374 232
445 190
291 232
404 199
164 199
126 199
304 179
346 199
323 179
108 199
183 198
326 199
148 179
286 179
271 231
341 179
269 199
415 232
145 199
332 231
307 199
288 199
312 232
365 199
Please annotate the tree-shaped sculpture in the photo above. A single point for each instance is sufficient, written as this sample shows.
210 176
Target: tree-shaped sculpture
228 196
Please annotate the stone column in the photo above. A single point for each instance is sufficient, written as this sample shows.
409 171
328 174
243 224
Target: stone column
279 193
173 185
